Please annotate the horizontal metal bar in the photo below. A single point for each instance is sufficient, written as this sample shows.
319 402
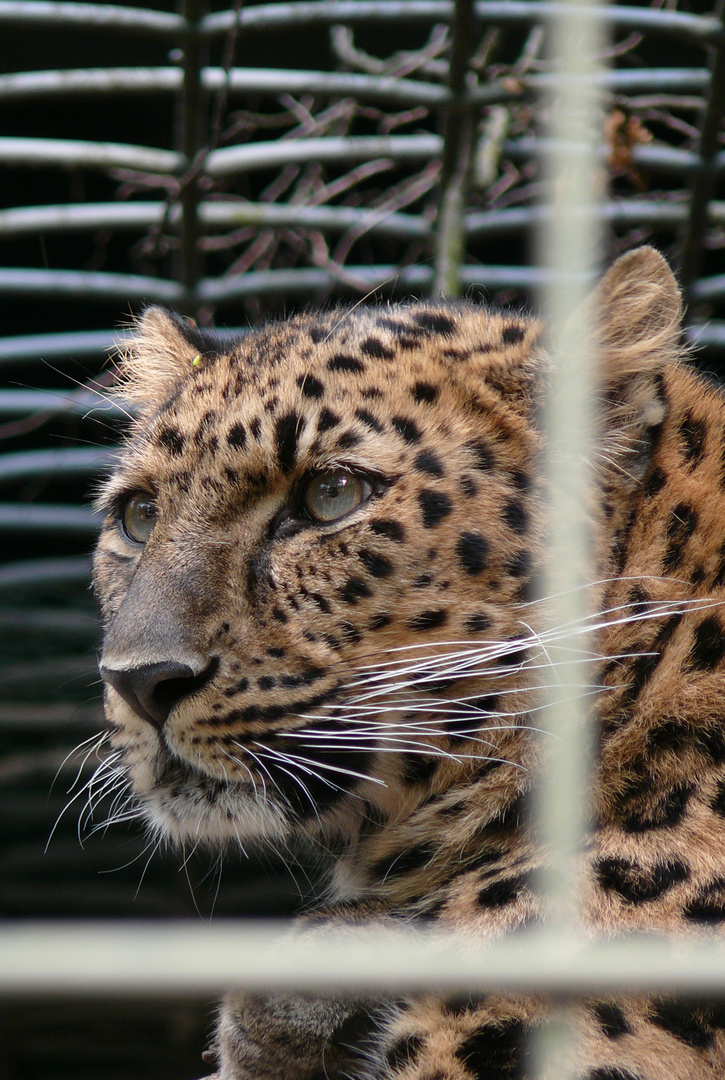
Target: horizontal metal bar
504 12
281 282
44 677
90 16
23 717
88 285
289 15
93 81
76 345
623 81
262 155
617 212
49 620
41 517
25 85
236 213
84 403
707 334
198 960
41 573
235 159
38 347
709 288
701 27
26 464
77 153
655 157
240 159
73 345
326 12
98 285
58 347
226 214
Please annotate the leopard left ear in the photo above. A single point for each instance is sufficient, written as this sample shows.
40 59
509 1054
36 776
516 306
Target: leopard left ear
157 356
637 313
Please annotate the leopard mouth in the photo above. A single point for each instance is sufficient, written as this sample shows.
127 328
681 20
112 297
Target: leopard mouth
178 776
189 805
298 781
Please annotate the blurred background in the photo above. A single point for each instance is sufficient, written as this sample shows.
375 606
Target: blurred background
236 163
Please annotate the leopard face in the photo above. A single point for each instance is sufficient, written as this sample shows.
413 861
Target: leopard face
315 564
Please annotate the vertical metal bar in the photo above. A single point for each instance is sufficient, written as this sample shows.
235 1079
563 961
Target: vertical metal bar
190 140
458 137
570 252
703 181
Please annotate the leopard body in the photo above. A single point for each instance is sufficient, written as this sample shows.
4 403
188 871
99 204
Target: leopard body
278 671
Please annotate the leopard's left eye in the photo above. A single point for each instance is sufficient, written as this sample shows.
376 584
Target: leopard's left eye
331 495
138 516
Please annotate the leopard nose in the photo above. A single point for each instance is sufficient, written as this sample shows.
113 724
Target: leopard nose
153 690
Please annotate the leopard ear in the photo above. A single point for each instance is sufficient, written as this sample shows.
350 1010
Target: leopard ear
157 356
638 314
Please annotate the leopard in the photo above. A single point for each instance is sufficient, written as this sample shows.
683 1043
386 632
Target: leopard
319 573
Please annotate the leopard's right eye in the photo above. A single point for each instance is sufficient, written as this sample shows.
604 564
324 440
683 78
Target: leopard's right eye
138 516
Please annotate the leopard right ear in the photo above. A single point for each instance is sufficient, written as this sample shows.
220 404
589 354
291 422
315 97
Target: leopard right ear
158 355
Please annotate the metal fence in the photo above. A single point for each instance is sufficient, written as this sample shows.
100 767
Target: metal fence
427 169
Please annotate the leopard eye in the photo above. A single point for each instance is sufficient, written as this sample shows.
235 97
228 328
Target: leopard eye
138 516
330 495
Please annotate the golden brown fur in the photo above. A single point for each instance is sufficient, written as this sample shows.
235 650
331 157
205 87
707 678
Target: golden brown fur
367 679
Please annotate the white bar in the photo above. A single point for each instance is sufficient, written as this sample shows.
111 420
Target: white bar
202 960
570 251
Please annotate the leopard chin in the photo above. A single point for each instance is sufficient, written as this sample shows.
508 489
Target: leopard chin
186 805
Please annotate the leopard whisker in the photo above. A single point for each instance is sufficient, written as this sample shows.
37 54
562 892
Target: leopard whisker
96 741
154 850
116 784
410 747
237 761
274 782
482 652
293 776
155 841
104 780
130 812
85 791
304 765
265 795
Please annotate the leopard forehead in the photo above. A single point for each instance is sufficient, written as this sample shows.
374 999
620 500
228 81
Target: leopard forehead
324 390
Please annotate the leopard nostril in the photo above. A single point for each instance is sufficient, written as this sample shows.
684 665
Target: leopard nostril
152 690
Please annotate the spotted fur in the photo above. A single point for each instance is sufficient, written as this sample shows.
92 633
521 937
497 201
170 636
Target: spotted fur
369 681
